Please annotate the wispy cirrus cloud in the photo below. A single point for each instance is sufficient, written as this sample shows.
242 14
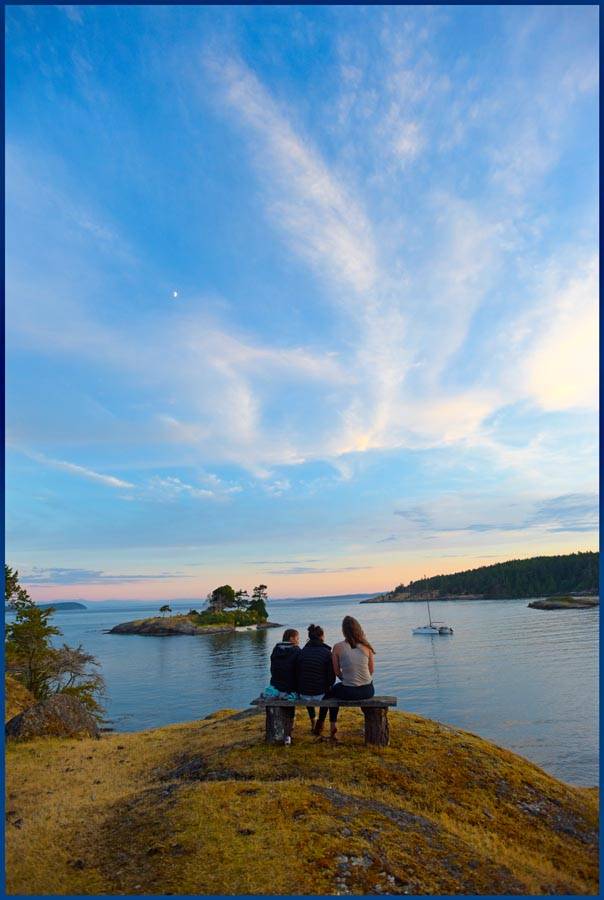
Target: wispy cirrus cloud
73 13
80 471
57 576
171 488
562 366
387 388
323 220
576 512
569 512
314 570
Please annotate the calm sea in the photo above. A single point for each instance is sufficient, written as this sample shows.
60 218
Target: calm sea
525 679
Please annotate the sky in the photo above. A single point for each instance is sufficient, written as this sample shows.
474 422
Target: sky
301 296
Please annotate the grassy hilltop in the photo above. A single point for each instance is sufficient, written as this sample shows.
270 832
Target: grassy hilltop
207 808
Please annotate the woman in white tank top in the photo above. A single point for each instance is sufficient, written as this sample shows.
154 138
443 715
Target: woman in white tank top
353 664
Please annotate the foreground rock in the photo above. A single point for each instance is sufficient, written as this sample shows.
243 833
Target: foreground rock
393 597
178 625
206 808
16 697
565 603
59 716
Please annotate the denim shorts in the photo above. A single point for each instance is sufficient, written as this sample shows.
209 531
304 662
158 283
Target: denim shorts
312 697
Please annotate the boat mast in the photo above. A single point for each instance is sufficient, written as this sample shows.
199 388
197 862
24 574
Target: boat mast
428 604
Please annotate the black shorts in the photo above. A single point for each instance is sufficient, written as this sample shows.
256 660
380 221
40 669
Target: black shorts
351 692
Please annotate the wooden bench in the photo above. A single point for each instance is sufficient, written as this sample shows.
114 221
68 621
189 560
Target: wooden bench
280 717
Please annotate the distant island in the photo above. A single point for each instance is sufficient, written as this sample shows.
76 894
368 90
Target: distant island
62 604
573 574
59 605
227 611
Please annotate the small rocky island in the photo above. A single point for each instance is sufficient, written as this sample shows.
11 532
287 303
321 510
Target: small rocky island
227 611
185 624
566 602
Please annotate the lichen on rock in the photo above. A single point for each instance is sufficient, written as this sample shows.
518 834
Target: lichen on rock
61 715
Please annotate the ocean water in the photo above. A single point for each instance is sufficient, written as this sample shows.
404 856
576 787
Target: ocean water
525 679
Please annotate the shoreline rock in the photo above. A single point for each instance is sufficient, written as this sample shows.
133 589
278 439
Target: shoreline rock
405 598
169 627
59 716
565 603
575 602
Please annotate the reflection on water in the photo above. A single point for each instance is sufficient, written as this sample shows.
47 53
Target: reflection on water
526 679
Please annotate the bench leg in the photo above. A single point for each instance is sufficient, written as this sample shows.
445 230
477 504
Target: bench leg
279 723
377 731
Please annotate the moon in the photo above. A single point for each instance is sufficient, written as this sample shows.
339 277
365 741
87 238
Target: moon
174 294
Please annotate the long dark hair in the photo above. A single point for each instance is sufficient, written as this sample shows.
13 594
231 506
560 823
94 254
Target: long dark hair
288 634
316 632
354 634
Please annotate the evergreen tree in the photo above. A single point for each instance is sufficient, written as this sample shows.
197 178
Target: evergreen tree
221 598
242 599
31 658
27 648
259 601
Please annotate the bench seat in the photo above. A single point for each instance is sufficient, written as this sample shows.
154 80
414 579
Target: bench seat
375 702
280 716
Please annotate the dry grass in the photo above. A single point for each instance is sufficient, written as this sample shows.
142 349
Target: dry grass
208 808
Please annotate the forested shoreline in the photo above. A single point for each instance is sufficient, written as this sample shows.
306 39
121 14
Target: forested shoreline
539 576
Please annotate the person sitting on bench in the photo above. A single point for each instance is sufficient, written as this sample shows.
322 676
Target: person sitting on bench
314 673
283 667
353 664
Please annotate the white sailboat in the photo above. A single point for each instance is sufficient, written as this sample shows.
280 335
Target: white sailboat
433 627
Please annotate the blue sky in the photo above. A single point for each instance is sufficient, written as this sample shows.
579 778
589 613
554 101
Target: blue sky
299 295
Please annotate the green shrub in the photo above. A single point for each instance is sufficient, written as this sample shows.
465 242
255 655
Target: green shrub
233 617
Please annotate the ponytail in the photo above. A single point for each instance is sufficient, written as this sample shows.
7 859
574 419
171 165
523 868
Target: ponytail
315 632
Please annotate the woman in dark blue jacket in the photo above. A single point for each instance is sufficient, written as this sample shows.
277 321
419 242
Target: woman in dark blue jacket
314 673
283 663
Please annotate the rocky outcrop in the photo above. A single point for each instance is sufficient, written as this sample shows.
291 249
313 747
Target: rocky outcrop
440 812
60 716
16 697
565 603
161 627
407 598
176 625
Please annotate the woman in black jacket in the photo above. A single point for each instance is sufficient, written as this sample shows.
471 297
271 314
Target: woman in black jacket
314 673
283 662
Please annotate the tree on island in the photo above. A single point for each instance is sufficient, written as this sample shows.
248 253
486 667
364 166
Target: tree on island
32 660
235 607
242 599
221 599
165 609
258 602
